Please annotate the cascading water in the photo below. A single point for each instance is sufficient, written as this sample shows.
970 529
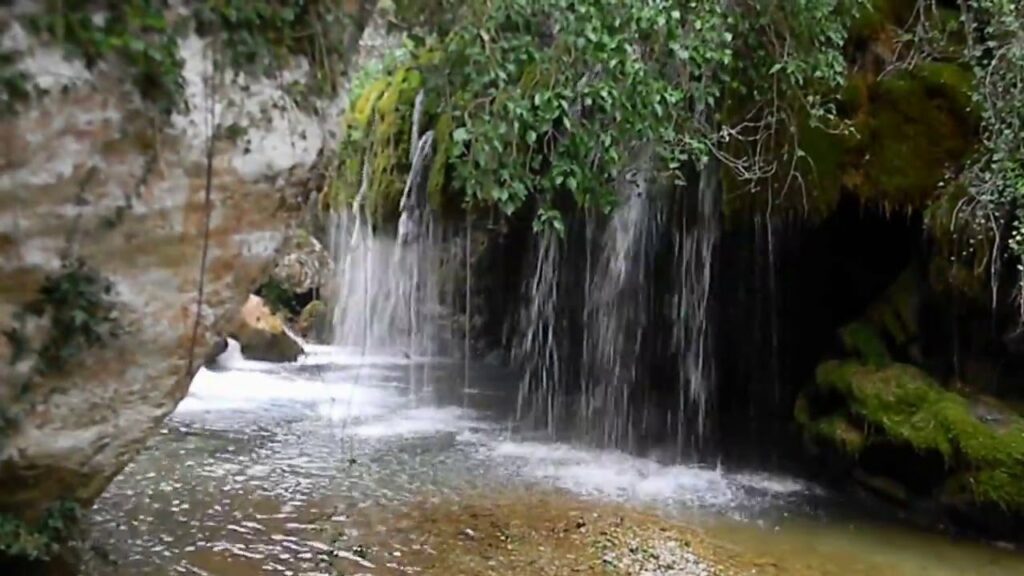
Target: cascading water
387 291
692 336
617 309
646 289
537 344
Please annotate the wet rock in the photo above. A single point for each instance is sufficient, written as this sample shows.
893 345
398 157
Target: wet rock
303 266
312 316
910 440
86 171
262 334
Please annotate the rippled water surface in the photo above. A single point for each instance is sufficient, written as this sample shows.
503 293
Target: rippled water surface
264 469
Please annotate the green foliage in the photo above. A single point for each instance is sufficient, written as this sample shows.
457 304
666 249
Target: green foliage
256 36
278 298
134 33
995 178
14 84
378 131
916 128
262 36
899 404
550 100
81 316
42 540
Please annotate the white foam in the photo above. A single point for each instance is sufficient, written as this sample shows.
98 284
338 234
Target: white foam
420 422
319 355
252 389
619 476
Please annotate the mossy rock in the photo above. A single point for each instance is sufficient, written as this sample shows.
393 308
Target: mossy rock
378 138
915 128
378 129
854 407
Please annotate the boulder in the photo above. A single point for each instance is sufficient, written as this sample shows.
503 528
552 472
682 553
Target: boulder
262 334
303 265
895 425
312 316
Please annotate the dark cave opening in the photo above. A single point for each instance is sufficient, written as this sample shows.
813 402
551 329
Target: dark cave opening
783 290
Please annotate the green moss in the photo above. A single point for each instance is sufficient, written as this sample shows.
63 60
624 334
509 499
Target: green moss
899 404
916 129
442 144
863 341
840 432
378 130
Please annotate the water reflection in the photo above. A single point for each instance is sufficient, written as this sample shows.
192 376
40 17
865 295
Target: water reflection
274 469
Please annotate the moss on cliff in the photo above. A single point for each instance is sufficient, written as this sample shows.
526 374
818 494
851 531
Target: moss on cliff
900 405
915 128
378 131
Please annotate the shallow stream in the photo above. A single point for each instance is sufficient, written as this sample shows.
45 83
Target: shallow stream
269 469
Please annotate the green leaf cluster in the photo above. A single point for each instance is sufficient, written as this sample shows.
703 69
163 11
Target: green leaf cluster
135 33
42 540
14 83
263 36
256 36
78 304
551 101
995 178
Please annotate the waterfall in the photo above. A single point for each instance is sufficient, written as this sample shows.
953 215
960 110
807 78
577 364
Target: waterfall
387 291
600 336
536 348
617 309
694 254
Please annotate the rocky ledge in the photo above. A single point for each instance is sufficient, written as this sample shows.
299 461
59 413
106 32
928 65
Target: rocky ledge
904 437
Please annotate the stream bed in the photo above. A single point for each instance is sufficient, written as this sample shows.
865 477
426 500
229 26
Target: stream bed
351 464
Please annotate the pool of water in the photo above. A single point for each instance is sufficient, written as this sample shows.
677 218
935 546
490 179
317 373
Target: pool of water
263 467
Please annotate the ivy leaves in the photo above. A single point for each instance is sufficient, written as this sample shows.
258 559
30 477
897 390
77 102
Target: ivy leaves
257 36
77 303
43 540
134 32
995 178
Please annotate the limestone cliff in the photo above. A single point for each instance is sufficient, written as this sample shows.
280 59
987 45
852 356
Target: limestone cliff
92 185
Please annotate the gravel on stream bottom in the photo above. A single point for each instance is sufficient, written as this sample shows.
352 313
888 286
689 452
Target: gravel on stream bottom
525 535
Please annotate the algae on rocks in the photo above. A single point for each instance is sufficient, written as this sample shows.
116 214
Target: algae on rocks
858 407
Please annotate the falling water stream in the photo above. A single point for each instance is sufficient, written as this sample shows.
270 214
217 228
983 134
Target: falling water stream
314 468
319 467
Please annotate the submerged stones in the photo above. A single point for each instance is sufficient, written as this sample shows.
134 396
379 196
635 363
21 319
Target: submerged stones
895 422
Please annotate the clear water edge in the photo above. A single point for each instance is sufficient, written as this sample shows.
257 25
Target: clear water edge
259 457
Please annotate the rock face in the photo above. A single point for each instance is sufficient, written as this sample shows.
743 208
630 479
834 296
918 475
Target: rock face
304 265
262 334
87 177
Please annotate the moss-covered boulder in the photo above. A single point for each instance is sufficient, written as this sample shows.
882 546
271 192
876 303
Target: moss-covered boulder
895 421
915 127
